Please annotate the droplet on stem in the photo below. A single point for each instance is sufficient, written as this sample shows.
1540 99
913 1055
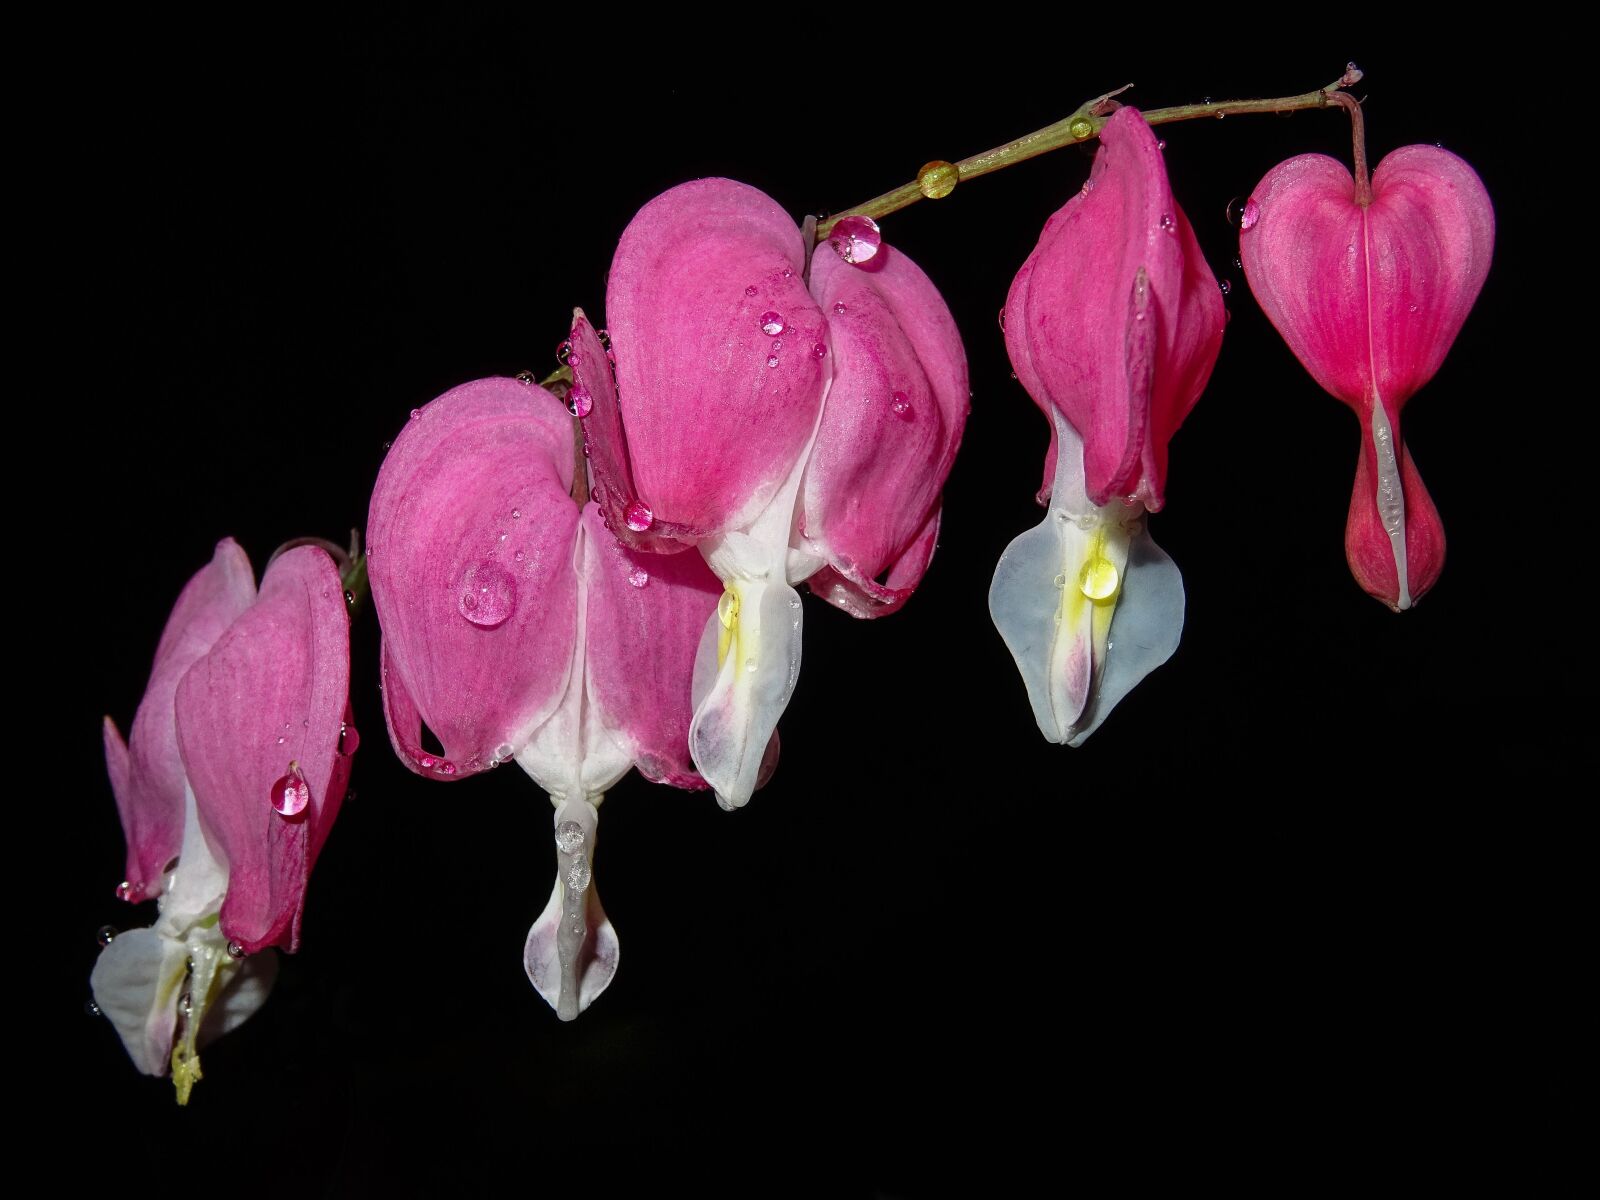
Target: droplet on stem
937 179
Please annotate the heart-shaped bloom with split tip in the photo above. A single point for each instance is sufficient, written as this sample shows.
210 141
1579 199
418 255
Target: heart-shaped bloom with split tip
793 418
515 627
228 787
1113 325
1370 297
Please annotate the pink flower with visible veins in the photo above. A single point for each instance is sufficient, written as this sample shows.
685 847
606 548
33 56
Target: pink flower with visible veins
228 786
1113 325
1369 285
517 629
793 417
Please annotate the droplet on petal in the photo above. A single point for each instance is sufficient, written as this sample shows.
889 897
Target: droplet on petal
564 353
569 837
1098 581
578 874
105 934
525 378
125 890
487 594
771 323
1168 224
900 404
1225 286
819 351
638 516
856 239
638 577
291 793
838 308
349 739
446 767
235 950
728 609
92 1009
1249 215
416 414
751 290
579 401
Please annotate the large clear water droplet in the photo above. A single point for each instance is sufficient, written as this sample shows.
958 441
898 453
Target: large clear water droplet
349 739
1249 214
569 837
638 516
487 594
728 609
290 794
1098 580
772 323
579 401
578 874
856 239
235 950
105 934
639 577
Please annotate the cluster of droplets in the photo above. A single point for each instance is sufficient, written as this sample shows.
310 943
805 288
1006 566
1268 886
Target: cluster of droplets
570 843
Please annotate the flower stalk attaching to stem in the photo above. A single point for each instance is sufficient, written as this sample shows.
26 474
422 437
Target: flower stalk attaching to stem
934 180
1358 138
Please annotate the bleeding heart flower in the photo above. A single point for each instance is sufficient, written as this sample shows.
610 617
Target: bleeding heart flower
516 628
793 418
1113 325
1369 286
233 776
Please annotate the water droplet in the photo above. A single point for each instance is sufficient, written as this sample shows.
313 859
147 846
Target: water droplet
638 516
1168 223
349 598
125 890
1249 214
235 950
771 323
578 874
186 1005
819 351
900 404
349 739
105 934
1098 580
750 666
1161 144
504 751
525 378
751 290
605 338
564 353
777 344
1081 128
787 273
1002 320
569 837
487 594
937 179
1225 285
579 401
772 360
290 794
1411 308
446 767
838 308
728 609
516 514
426 762
1238 264
856 239
280 740
416 414
1061 581
518 554
90 1008
639 577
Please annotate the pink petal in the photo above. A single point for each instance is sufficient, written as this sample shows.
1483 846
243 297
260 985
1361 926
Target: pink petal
269 698
472 533
646 615
606 443
1124 361
890 427
147 776
1370 300
711 429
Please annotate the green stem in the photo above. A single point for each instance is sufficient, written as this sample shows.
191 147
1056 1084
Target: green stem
1083 125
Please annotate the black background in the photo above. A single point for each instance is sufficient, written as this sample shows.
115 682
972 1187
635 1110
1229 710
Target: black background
1257 911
